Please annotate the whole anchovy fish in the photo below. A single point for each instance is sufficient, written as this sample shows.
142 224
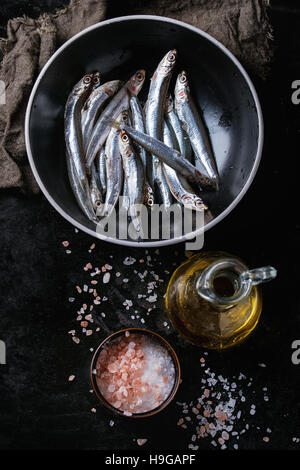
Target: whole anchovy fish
135 177
154 115
114 168
93 106
167 155
175 124
74 147
180 188
193 125
119 103
138 122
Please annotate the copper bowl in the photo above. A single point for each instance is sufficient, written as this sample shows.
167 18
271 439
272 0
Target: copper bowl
164 343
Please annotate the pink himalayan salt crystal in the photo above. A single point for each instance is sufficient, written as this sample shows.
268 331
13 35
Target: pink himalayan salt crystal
135 373
141 442
220 415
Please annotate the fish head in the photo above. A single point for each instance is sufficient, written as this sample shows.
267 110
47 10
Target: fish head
84 84
96 80
167 63
112 87
125 144
182 89
96 199
169 104
136 82
123 117
193 202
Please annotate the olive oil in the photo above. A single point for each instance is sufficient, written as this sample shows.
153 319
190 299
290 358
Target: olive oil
214 301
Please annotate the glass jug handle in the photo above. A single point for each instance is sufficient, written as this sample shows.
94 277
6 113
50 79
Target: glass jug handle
259 275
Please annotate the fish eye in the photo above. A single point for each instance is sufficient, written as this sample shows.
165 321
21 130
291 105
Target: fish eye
125 138
87 79
98 203
171 57
96 80
139 77
182 78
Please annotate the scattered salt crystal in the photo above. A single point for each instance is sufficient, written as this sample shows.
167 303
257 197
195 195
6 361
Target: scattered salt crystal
71 378
141 442
106 278
129 260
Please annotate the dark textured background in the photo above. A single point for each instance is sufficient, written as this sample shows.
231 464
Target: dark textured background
39 408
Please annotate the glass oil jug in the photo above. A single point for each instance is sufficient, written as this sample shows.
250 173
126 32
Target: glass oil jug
214 300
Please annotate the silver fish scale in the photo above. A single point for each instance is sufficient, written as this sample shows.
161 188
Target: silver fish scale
93 106
179 187
181 135
114 172
101 130
134 176
193 125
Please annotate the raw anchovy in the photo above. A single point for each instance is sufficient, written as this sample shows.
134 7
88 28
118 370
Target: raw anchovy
193 125
102 169
114 169
134 175
119 103
93 106
73 138
175 124
154 115
171 157
138 122
95 188
179 187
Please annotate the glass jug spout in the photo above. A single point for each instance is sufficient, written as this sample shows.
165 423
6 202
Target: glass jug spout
227 281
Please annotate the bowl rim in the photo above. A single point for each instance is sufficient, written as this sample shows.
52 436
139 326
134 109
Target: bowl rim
160 339
182 238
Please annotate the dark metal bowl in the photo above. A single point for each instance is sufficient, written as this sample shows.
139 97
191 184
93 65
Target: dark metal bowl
119 47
